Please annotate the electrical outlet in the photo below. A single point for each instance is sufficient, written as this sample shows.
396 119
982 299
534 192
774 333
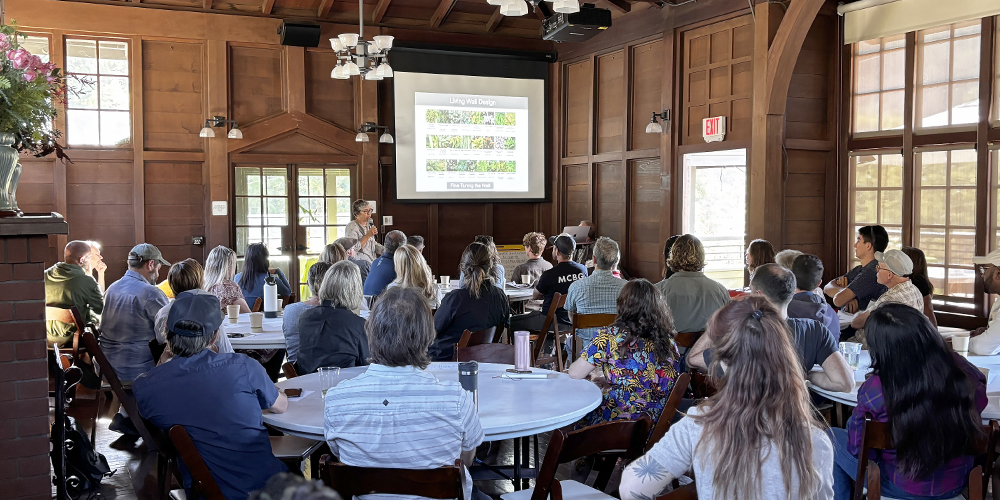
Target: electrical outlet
386 220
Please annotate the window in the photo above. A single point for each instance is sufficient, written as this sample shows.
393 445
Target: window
37 46
98 104
876 196
324 205
715 210
261 207
878 84
945 219
947 80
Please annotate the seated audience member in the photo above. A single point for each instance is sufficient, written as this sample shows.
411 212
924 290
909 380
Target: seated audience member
597 293
758 436
256 269
558 279
288 486
96 267
333 253
808 271
367 248
184 276
812 341
636 354
667 272
352 255
497 273
856 289
933 412
68 284
759 252
416 242
220 268
293 312
691 296
477 305
129 319
383 270
534 245
786 258
218 398
893 268
412 272
331 333
584 254
985 341
164 287
922 281
416 421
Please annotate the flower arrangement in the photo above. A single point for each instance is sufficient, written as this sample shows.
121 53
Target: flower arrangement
29 93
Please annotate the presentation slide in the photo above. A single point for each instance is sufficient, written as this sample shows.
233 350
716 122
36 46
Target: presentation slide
469 138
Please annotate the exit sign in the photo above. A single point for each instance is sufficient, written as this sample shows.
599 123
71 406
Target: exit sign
713 129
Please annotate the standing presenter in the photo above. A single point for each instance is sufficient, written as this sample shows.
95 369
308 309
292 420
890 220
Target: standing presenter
363 229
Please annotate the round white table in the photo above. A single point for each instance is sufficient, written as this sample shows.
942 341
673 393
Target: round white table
992 363
507 408
270 338
513 293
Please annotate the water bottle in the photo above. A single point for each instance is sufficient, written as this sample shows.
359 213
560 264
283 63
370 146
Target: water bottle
270 297
468 376
522 351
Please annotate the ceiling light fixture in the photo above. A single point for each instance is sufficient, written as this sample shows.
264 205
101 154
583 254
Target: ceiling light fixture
654 127
367 127
220 121
357 56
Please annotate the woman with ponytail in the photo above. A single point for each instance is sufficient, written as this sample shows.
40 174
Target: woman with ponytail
477 305
756 438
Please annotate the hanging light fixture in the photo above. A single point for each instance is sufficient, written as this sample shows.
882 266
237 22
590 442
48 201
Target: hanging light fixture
360 56
235 132
654 127
515 8
220 121
566 6
367 127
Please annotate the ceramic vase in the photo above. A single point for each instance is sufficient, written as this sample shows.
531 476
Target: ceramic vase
10 174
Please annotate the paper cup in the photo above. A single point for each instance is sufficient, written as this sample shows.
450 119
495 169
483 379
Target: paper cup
525 279
960 343
280 310
986 373
234 313
446 280
256 322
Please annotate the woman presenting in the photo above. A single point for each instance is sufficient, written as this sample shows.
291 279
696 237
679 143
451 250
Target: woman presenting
367 248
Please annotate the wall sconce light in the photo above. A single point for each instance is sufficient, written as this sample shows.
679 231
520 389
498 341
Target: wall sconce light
385 138
220 121
654 127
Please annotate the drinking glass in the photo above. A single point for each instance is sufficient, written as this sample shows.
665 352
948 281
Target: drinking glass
851 352
328 376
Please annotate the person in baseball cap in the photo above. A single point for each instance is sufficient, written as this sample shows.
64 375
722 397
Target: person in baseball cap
564 244
146 260
217 397
985 341
892 271
558 279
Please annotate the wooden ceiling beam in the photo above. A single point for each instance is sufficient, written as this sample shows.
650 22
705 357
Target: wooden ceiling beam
206 4
494 21
442 11
621 5
267 6
324 9
380 9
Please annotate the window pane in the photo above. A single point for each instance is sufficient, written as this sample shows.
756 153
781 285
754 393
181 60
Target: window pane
892 110
948 67
879 77
867 46
894 72
935 62
37 46
934 168
114 92
81 128
82 93
81 56
933 106
116 128
866 113
311 211
962 207
274 181
892 170
247 181
866 206
932 201
277 211
869 73
866 171
965 102
962 246
966 64
86 63
114 58
963 168
891 208
338 182
932 242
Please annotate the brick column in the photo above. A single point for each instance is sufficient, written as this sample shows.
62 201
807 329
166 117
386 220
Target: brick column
24 406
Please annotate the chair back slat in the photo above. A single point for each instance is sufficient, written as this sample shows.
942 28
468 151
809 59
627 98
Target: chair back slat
686 492
350 481
486 353
874 482
470 338
258 305
687 339
289 370
201 476
593 320
59 314
669 410
558 300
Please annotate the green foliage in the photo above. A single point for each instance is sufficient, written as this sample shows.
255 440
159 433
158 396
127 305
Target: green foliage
470 142
471 166
470 117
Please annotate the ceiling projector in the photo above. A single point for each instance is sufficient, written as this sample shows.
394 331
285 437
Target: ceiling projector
578 26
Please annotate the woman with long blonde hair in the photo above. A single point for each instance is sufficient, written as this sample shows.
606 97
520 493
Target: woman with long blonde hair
220 267
756 438
412 272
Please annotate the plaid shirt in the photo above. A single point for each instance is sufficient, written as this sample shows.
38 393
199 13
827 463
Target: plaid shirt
595 294
904 293
949 477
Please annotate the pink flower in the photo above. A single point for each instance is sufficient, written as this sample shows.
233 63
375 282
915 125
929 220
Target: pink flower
36 63
4 42
19 58
30 75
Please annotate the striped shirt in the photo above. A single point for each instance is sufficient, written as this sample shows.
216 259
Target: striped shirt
401 417
595 294
903 293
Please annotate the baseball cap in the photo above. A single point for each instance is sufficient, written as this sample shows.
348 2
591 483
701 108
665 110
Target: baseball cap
990 258
564 243
145 251
897 262
196 306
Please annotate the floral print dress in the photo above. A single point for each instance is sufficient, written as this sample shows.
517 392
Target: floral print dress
640 383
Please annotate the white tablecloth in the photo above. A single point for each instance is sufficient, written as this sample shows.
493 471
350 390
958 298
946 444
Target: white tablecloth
271 338
992 363
507 408
514 294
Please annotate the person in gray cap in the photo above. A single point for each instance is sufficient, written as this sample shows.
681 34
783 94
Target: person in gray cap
557 279
217 397
894 269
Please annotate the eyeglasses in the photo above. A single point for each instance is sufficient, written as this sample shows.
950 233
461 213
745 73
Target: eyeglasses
367 211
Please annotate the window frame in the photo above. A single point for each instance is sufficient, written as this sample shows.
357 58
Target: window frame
130 50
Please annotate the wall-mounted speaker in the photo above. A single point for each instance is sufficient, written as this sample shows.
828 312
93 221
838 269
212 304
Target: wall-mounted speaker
299 35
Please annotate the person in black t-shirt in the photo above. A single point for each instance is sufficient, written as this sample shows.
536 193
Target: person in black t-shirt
558 279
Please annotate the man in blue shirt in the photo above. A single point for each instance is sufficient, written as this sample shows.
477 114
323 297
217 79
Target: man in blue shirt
808 271
383 270
856 289
218 398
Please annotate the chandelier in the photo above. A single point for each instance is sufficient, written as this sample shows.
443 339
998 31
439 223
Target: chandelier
357 56
520 7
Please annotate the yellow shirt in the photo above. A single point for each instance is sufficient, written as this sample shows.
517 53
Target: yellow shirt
165 288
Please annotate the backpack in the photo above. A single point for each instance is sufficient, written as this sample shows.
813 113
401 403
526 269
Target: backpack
85 468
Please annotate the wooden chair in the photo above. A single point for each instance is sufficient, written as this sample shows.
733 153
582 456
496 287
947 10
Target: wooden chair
470 338
350 481
287 299
628 437
294 450
289 370
485 353
686 492
203 485
258 305
540 337
589 321
669 410
687 339
878 436
69 316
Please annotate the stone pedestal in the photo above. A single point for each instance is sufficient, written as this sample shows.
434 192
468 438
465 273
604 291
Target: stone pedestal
24 406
